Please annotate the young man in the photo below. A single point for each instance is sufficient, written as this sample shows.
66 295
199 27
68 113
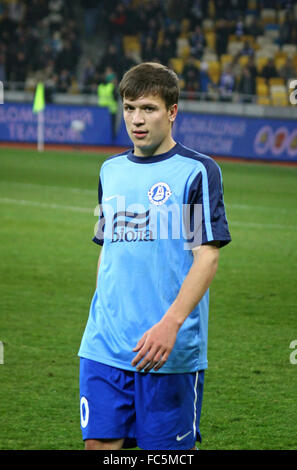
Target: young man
144 349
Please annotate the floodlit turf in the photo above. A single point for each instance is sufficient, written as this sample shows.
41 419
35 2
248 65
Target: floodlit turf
48 270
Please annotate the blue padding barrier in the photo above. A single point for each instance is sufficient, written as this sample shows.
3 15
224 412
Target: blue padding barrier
19 124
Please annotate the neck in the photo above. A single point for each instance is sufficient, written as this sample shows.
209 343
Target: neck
152 151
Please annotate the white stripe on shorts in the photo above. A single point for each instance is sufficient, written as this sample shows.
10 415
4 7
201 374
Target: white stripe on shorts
195 403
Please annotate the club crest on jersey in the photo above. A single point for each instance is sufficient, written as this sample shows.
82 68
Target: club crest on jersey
159 193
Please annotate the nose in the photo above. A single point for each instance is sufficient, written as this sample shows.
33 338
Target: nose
138 117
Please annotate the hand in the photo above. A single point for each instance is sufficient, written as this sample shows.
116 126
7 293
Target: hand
155 346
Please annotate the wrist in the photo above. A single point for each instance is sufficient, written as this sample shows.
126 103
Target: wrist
174 317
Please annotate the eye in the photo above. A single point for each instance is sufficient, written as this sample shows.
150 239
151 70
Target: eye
149 109
128 108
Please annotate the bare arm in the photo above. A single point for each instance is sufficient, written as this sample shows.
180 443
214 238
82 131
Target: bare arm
157 343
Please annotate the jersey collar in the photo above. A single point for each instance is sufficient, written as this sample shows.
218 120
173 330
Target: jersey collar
154 158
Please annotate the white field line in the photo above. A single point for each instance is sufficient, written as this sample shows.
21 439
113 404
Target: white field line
289 228
282 210
23 202
45 205
94 191
45 187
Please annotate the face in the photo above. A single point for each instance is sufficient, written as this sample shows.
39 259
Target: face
149 124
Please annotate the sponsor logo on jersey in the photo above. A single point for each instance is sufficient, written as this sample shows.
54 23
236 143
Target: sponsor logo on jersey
131 227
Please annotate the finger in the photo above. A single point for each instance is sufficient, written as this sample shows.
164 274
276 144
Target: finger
148 360
143 351
157 357
145 363
140 343
154 362
161 362
139 357
149 366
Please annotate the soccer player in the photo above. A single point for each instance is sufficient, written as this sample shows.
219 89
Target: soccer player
161 226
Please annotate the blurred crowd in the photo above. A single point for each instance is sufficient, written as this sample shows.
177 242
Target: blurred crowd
162 25
42 40
38 40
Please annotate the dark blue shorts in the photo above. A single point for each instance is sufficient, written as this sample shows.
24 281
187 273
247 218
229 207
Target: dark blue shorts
148 410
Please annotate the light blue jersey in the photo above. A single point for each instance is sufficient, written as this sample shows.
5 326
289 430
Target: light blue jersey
147 228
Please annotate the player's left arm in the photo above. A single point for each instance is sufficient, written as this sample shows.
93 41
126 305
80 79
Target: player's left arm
156 344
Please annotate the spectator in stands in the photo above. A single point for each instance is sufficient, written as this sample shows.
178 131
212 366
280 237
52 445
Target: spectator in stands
46 57
51 87
164 52
55 42
111 58
56 15
237 9
128 61
88 74
246 86
36 10
176 10
197 43
148 50
191 76
247 49
269 70
255 28
172 33
239 28
226 84
152 32
252 67
288 71
287 29
67 57
197 11
222 7
149 9
7 25
118 21
205 81
132 23
16 11
92 10
64 81
236 67
19 70
2 67
222 35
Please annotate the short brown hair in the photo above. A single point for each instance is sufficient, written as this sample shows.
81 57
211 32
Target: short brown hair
150 78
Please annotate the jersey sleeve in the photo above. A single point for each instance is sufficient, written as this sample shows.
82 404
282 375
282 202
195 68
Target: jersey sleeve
206 192
99 237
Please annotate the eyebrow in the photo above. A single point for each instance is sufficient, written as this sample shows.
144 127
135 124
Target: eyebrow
143 105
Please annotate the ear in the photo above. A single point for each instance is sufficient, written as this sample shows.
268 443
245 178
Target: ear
172 112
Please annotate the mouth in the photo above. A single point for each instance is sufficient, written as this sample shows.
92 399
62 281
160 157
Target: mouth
139 134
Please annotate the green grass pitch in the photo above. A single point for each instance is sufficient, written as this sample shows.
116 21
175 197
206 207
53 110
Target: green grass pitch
48 270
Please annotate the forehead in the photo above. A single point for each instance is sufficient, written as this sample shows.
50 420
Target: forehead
153 99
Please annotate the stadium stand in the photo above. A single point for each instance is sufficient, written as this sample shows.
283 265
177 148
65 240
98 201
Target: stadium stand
238 50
